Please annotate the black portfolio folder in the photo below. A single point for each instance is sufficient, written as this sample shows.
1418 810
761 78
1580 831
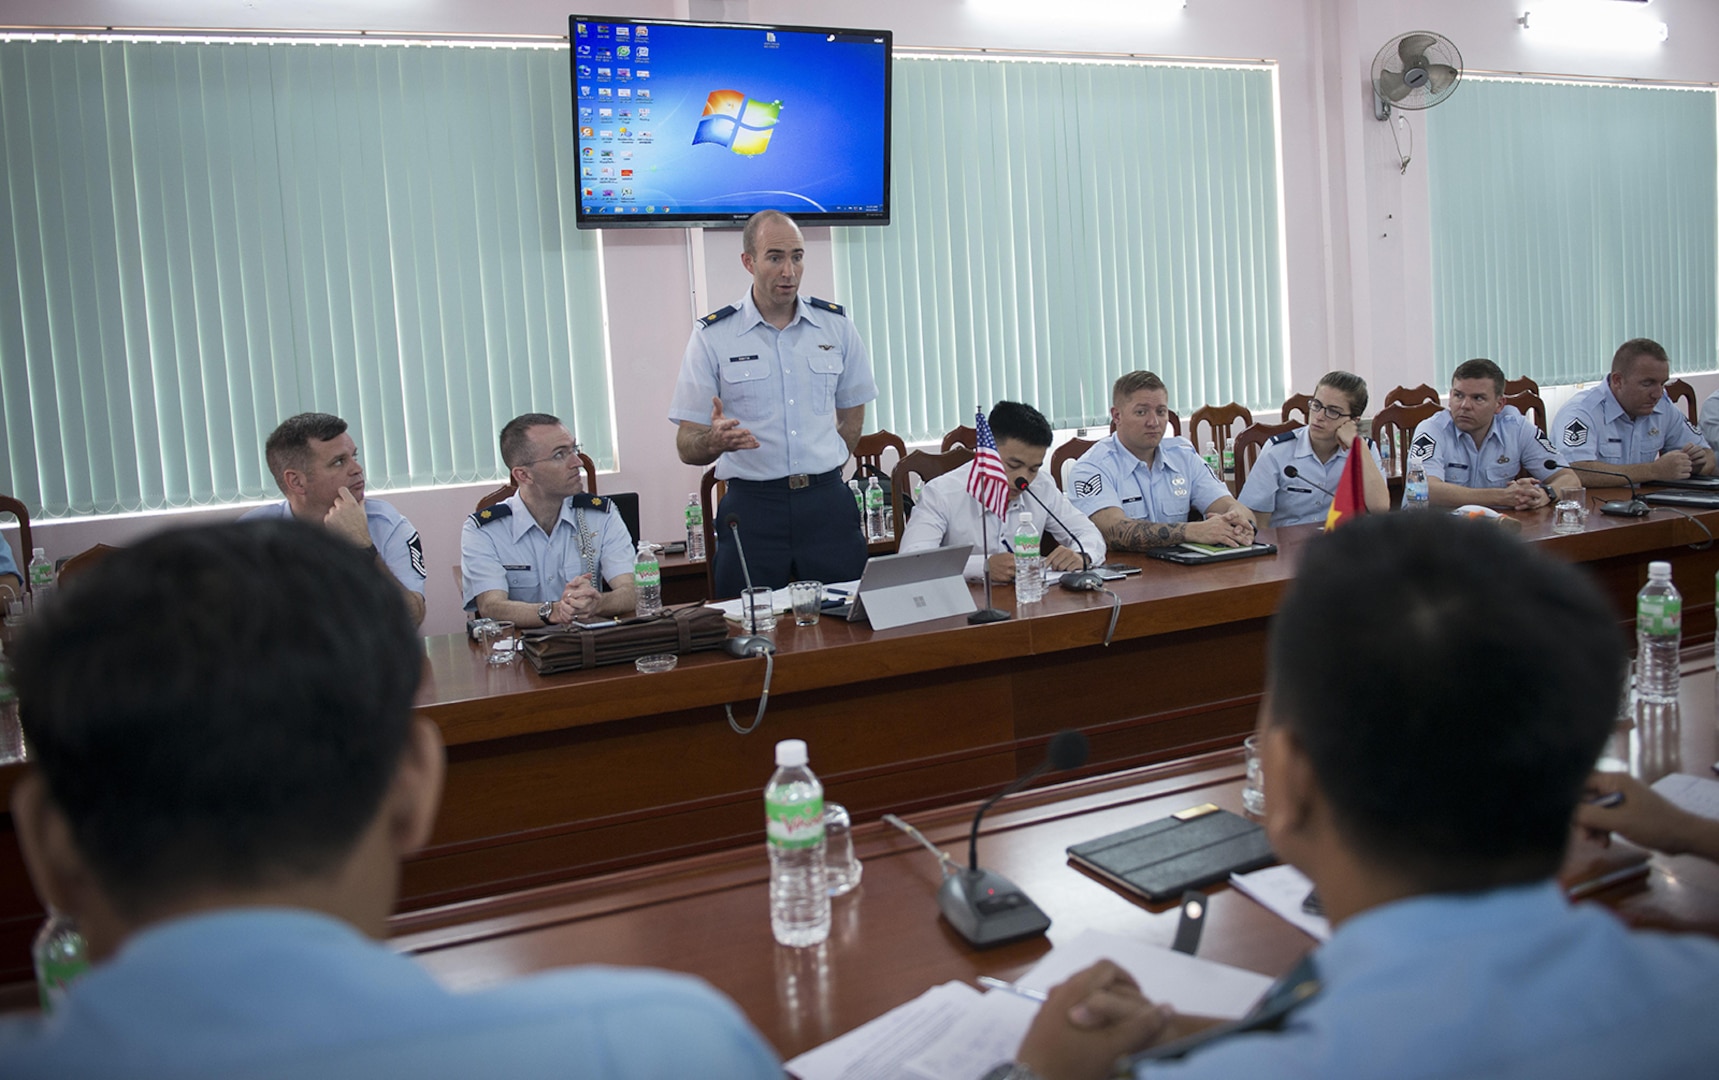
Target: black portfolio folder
1188 850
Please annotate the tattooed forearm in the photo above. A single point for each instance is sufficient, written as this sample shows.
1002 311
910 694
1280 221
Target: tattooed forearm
1132 535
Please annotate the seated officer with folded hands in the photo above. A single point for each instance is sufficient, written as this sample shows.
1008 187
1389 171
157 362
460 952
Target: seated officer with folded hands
535 557
1430 800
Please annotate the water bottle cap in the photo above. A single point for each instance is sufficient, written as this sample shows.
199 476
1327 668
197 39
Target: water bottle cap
39 553
1659 571
791 753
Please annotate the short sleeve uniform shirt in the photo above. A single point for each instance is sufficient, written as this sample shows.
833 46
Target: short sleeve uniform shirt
1299 500
1110 475
509 550
1592 426
782 385
1513 444
395 538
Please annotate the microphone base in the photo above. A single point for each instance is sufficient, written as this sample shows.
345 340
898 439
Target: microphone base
1623 508
748 645
988 909
990 614
1084 581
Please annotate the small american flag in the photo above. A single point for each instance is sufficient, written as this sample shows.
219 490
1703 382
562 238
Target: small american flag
988 482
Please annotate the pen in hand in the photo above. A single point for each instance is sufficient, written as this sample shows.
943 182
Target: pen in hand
1011 988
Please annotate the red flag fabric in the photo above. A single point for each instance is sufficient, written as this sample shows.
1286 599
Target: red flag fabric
1351 497
989 481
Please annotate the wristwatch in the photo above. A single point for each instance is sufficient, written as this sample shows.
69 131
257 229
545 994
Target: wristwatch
544 610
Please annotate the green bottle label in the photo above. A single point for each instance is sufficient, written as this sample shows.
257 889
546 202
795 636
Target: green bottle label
1659 614
42 574
794 825
647 573
695 517
1026 549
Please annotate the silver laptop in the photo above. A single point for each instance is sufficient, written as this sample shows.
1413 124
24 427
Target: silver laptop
899 590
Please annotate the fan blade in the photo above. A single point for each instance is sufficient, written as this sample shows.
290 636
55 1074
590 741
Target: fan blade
1391 86
1442 77
1413 49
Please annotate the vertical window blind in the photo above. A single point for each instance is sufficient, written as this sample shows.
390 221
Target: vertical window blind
1057 223
198 239
1567 219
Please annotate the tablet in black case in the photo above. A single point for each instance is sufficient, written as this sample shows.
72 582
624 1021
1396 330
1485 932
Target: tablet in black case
1189 850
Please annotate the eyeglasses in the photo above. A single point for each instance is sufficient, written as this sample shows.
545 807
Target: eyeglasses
559 457
1315 407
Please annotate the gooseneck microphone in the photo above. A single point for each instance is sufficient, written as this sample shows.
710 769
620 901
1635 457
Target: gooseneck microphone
1085 579
983 906
1295 474
751 643
1635 507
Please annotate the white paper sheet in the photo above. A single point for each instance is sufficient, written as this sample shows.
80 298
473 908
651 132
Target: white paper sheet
1192 985
880 1049
1696 794
1281 890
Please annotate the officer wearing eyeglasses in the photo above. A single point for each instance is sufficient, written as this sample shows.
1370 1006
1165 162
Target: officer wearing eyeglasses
1318 452
536 557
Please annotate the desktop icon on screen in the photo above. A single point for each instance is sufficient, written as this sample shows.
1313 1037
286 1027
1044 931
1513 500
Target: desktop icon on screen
733 120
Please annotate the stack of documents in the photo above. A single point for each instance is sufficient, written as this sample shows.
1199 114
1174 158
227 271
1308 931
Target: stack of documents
954 1032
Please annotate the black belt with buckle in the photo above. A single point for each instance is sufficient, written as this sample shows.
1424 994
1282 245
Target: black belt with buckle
795 482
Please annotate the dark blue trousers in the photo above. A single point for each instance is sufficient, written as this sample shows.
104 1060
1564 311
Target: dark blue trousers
806 534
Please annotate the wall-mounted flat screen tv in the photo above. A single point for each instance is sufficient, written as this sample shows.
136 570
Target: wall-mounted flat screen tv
689 123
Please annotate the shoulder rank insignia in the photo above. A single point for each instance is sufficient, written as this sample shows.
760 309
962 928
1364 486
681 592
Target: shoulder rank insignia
1287 436
717 316
492 513
827 305
586 501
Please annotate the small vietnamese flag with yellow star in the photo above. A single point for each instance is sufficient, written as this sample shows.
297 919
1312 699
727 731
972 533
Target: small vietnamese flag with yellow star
1350 499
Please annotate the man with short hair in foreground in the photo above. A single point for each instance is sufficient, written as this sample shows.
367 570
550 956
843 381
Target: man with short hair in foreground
228 773
1430 799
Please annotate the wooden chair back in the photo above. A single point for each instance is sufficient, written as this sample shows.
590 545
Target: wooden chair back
1296 403
710 493
1218 424
1066 453
84 560
1249 443
1681 393
9 505
506 490
1404 395
870 448
927 466
1393 427
1517 386
1528 401
961 436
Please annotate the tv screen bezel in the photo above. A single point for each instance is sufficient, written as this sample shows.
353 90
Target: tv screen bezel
707 218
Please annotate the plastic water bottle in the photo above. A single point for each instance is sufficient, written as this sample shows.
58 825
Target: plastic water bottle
794 831
694 528
1658 636
41 576
11 734
60 955
1229 455
1029 568
647 580
874 514
1417 493
859 496
1213 462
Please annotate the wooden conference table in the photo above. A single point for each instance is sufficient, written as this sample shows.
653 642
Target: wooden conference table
709 915
561 777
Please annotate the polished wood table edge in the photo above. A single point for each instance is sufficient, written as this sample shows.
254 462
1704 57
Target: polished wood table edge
428 929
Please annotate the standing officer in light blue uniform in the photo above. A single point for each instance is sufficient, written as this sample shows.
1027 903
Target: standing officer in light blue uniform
1319 453
1475 451
1627 425
1137 486
315 464
535 558
773 391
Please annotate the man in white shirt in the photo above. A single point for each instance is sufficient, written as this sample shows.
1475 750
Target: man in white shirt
947 515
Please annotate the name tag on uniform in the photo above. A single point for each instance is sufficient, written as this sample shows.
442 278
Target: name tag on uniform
1457 465
1125 502
1299 491
742 359
516 566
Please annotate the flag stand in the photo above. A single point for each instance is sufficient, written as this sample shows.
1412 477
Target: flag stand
986 614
